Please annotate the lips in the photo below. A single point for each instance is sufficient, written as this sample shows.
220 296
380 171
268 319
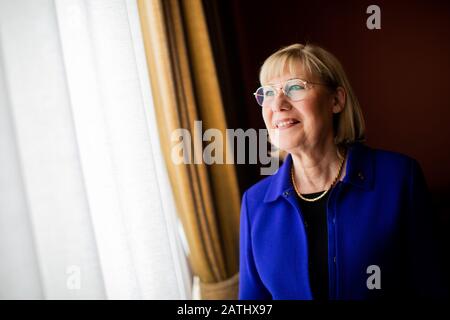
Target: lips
284 123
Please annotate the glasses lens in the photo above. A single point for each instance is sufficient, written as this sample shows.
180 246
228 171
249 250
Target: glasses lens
295 90
259 95
264 95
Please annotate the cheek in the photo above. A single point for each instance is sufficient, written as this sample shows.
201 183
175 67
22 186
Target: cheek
273 136
316 113
267 117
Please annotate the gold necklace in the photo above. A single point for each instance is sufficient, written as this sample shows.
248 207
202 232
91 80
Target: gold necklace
323 193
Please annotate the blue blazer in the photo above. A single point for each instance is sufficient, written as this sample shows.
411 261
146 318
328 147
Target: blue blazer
377 217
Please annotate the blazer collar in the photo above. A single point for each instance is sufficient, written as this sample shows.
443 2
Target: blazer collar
359 173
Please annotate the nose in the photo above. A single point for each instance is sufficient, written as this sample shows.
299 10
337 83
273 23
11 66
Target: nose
281 102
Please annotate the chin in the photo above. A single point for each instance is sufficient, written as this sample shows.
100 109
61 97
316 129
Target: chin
283 143
287 147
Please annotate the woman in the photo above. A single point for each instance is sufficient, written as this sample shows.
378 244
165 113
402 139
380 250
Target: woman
338 220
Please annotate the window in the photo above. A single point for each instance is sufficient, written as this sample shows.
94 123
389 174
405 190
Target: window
86 209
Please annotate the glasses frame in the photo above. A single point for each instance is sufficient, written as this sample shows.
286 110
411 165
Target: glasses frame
307 84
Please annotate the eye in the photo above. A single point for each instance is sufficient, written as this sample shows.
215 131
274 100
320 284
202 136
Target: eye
295 87
269 92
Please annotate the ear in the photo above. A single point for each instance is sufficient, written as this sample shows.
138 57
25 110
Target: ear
339 99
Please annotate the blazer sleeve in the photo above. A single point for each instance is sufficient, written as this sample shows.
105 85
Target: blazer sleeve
250 284
426 270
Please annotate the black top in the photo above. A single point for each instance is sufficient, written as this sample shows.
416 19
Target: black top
315 218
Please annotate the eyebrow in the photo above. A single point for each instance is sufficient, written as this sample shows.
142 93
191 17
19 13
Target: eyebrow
272 84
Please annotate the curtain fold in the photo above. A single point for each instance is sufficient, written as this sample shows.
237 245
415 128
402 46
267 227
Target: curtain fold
86 207
185 87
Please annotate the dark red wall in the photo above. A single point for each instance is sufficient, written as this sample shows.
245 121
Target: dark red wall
401 73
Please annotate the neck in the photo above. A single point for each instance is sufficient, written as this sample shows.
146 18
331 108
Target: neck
315 168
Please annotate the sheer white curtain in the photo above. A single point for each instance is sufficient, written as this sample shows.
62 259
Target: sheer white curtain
86 210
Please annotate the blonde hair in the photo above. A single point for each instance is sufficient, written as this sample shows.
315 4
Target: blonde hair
349 124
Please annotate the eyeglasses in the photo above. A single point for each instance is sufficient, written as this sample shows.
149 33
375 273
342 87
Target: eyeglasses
294 89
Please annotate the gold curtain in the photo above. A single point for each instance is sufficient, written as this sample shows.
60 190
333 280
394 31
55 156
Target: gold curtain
185 88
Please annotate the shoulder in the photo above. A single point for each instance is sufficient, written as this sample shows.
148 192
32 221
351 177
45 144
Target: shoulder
258 191
390 169
392 161
364 155
263 193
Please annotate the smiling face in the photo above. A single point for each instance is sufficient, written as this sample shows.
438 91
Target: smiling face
300 124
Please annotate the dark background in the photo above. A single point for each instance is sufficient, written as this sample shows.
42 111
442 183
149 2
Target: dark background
400 73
